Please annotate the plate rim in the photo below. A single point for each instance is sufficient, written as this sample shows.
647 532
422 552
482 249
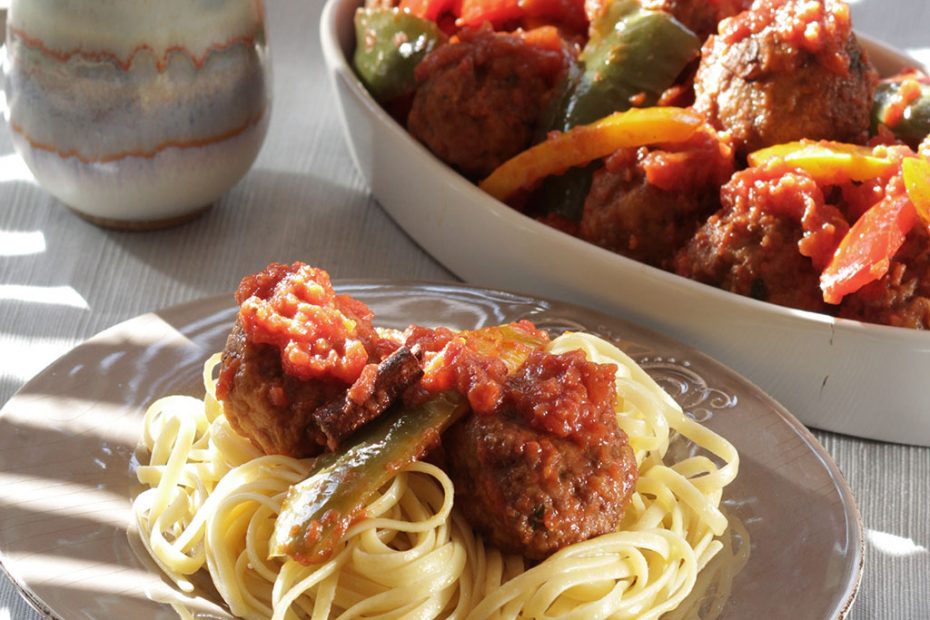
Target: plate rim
221 302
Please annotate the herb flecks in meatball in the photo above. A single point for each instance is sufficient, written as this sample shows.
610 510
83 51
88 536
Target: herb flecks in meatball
479 98
786 70
551 467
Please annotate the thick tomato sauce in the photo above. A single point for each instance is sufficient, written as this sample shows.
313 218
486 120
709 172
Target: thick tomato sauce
320 335
819 28
562 395
475 364
566 396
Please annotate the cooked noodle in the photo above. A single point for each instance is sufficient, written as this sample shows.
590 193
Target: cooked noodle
213 497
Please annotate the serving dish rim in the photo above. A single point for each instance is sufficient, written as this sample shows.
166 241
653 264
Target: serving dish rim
338 60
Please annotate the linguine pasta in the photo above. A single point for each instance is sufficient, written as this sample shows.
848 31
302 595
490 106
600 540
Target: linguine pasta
212 499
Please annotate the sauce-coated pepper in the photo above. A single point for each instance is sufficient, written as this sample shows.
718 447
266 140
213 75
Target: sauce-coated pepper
390 44
632 57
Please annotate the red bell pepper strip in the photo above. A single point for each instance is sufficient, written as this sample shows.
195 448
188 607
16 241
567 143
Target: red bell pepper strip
864 255
476 12
431 9
570 13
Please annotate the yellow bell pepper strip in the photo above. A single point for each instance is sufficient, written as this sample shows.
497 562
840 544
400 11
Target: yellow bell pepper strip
585 143
827 162
864 255
917 181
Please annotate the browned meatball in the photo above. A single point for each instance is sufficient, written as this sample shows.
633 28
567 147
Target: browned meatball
271 408
769 241
902 297
786 70
479 99
551 468
304 367
281 414
646 204
701 16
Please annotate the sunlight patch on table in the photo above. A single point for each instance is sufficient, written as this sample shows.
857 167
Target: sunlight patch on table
22 244
48 295
894 545
23 358
13 168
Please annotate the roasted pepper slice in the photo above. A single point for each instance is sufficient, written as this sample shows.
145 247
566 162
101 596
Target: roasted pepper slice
581 145
827 162
318 511
866 251
568 13
430 9
902 104
917 181
389 45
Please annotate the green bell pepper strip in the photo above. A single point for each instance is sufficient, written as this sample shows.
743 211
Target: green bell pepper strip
910 124
318 511
389 45
632 54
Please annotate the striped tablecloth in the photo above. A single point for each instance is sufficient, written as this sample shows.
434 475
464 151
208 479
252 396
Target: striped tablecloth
62 280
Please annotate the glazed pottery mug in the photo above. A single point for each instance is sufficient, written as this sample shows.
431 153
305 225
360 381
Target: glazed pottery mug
137 113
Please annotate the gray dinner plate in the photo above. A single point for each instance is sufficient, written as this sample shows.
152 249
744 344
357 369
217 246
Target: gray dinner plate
67 441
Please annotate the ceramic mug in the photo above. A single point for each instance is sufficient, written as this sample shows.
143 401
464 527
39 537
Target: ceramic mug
137 113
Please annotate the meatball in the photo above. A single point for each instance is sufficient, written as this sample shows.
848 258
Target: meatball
271 408
902 297
478 100
303 367
786 70
549 469
646 204
701 16
770 240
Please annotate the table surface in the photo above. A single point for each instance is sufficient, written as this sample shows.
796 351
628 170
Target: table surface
305 195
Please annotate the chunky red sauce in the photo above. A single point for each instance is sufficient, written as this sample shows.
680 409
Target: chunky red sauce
474 363
567 396
821 28
689 166
562 395
294 308
778 188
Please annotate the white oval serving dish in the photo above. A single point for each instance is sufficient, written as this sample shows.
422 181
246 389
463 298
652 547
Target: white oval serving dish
834 374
